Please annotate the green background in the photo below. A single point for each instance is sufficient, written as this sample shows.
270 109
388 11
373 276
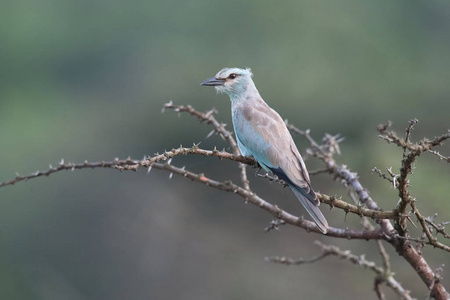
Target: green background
86 80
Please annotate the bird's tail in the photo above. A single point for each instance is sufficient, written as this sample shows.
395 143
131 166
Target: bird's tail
311 207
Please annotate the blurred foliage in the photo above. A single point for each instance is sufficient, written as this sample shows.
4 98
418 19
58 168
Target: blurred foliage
87 80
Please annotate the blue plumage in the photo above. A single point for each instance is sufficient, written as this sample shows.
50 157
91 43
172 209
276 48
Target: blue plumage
261 133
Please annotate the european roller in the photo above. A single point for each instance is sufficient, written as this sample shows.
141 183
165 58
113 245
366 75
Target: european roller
261 133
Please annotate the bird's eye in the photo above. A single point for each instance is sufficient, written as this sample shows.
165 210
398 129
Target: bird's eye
232 76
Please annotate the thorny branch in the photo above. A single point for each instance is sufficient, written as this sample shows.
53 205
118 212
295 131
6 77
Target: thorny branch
325 152
410 152
330 250
219 128
364 205
399 240
148 162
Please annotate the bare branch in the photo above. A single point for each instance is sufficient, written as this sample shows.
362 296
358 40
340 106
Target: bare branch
423 222
274 224
364 205
69 166
402 246
392 178
440 227
325 153
131 164
410 152
361 260
249 196
417 148
385 257
338 203
437 279
218 127
298 261
254 199
377 287
441 157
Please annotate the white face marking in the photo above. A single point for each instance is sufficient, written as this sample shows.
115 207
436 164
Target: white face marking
236 80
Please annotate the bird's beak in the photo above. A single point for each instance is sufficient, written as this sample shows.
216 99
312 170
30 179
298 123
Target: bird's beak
213 81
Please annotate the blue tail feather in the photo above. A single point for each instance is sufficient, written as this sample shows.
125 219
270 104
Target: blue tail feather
307 198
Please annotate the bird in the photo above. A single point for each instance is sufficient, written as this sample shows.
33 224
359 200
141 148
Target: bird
262 134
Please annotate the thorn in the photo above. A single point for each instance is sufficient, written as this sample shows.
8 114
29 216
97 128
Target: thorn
210 134
169 161
17 174
209 113
50 166
61 162
149 169
166 105
170 175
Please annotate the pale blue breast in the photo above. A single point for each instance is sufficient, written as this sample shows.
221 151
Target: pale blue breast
250 142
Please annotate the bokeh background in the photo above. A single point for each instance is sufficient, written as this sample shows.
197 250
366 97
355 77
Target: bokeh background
86 80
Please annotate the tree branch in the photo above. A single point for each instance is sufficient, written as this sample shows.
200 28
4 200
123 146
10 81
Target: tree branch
325 151
219 128
361 260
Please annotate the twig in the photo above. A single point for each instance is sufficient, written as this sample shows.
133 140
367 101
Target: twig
298 261
438 227
431 239
341 171
441 157
338 203
377 287
327 250
249 196
325 152
362 261
131 164
437 279
254 199
274 225
384 257
403 247
392 178
218 127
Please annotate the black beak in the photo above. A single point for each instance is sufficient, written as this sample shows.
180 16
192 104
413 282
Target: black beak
213 81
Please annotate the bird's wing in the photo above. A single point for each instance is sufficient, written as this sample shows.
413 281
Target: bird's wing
262 132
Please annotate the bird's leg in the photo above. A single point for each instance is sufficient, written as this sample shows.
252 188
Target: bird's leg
258 168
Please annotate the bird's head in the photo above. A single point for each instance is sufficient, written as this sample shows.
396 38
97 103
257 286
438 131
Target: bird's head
233 81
